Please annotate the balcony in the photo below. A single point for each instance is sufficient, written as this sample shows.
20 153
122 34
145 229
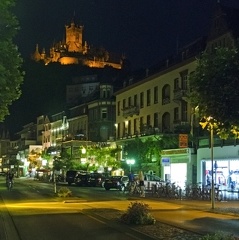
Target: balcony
180 94
181 126
130 111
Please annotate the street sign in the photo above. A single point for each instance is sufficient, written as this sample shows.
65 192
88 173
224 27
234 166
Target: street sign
165 161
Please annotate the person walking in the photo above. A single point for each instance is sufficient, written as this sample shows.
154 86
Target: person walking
141 184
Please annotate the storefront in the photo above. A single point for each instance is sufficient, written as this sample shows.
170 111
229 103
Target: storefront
179 166
225 167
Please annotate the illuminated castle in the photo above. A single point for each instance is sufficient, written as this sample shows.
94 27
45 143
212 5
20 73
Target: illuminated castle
73 50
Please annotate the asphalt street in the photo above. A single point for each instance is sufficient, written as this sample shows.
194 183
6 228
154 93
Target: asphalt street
193 215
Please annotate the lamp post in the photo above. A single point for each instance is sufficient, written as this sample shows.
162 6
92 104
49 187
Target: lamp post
213 187
130 162
204 124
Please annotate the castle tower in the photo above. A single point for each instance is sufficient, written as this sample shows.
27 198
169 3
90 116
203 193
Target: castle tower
74 39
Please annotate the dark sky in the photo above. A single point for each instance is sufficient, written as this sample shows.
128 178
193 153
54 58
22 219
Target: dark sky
145 30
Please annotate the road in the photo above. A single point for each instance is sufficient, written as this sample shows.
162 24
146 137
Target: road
32 211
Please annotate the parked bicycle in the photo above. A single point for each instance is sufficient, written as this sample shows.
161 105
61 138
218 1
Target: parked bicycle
168 190
132 188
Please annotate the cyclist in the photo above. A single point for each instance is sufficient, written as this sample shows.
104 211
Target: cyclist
9 177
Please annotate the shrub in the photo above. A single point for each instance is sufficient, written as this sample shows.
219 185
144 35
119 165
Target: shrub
218 236
64 192
138 213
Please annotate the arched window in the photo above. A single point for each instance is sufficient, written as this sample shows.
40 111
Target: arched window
166 94
166 122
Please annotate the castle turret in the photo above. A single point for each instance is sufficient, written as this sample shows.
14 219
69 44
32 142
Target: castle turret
36 56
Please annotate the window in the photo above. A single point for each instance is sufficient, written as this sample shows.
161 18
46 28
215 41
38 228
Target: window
166 94
103 113
185 82
118 108
148 97
166 122
148 120
135 100
156 97
129 127
135 126
184 79
124 104
83 90
141 99
124 129
118 130
176 84
176 114
156 120
141 123
129 102
91 88
184 111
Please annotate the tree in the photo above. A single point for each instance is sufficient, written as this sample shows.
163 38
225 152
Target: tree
214 89
147 151
11 76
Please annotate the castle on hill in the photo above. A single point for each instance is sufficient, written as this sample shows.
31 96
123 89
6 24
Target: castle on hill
73 50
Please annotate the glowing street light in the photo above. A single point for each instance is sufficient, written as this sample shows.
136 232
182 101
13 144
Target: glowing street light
130 162
205 124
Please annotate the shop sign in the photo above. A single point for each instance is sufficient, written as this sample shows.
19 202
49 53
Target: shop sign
165 161
174 151
183 140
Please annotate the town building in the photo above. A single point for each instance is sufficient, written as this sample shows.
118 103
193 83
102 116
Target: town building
154 105
157 105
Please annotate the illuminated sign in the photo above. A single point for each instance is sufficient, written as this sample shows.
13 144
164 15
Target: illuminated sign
174 151
183 140
165 161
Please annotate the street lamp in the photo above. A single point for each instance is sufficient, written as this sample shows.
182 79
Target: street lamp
204 124
212 144
130 162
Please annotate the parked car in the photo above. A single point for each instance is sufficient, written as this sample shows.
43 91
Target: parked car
70 176
82 179
150 180
97 179
3 174
116 182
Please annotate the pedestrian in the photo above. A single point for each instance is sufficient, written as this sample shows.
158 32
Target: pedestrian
131 177
141 184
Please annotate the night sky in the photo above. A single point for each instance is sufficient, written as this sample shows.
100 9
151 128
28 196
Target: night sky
146 31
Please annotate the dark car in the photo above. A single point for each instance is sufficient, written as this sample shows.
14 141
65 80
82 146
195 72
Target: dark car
97 179
70 176
82 179
116 182
3 174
